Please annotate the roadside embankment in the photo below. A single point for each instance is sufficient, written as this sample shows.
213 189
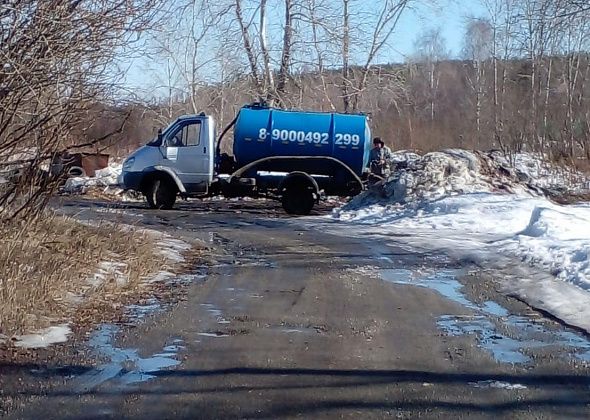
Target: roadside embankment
57 273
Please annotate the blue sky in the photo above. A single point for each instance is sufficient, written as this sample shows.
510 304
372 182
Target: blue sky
448 15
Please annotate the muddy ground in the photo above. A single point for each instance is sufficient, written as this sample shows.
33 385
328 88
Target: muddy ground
288 321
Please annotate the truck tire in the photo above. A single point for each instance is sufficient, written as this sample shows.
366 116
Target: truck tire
161 194
298 201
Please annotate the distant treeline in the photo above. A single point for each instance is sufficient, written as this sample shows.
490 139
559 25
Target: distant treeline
508 105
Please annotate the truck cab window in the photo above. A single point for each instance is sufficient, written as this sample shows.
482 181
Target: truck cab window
187 135
193 134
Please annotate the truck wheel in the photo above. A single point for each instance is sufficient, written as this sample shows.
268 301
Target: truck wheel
161 194
298 201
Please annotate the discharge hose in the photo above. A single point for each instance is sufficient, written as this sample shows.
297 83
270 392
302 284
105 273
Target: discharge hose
223 133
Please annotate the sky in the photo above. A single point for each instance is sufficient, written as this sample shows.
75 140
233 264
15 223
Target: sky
448 15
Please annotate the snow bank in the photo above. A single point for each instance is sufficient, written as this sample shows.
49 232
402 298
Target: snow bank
553 237
557 238
545 175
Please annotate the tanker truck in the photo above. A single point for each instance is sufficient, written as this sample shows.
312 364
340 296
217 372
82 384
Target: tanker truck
291 156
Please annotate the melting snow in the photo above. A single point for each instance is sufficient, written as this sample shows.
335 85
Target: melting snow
496 384
457 202
108 269
545 175
125 366
172 249
45 337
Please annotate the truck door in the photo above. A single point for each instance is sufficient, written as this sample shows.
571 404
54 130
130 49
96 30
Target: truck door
188 156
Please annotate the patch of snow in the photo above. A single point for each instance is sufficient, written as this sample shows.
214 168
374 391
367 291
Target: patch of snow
404 156
112 269
215 335
497 385
557 238
172 249
547 175
111 210
74 299
539 232
124 366
44 338
161 277
106 178
440 174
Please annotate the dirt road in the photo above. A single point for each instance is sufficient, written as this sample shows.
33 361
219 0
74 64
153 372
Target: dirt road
292 322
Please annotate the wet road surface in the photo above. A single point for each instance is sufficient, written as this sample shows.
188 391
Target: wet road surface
287 321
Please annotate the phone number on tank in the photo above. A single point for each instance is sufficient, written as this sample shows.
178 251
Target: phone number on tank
312 137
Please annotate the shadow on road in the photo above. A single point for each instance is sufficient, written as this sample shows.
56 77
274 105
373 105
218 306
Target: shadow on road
342 390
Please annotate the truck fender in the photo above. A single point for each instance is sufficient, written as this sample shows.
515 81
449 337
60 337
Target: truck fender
173 175
298 177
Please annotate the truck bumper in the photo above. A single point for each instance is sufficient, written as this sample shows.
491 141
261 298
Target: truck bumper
130 180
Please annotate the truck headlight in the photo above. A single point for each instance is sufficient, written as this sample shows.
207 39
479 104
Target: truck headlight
128 164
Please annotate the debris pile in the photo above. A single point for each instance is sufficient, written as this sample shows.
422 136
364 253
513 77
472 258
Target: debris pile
103 185
103 178
416 179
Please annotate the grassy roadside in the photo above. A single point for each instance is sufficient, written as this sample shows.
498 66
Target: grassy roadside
54 267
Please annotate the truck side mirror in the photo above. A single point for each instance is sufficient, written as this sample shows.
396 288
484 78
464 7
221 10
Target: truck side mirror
159 135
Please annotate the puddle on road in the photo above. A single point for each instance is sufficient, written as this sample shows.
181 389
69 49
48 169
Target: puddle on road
489 320
240 256
502 348
444 282
125 366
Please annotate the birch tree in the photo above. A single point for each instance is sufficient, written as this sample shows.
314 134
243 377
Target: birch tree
477 49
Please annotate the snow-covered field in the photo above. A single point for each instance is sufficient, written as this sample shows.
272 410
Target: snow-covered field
479 208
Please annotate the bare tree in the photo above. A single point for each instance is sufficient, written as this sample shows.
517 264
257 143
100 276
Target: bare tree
378 26
477 48
56 60
430 49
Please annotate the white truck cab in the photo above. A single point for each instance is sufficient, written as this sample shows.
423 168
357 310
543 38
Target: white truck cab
180 160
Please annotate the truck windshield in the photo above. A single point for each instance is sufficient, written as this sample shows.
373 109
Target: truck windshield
157 141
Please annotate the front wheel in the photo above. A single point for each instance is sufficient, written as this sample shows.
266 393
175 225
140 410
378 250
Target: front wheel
161 194
298 201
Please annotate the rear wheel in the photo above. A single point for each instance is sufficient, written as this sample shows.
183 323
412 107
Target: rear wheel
161 194
298 200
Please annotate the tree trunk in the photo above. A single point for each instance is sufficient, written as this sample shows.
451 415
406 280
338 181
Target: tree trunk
286 54
268 82
249 49
345 58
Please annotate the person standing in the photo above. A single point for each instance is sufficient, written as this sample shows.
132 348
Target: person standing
379 158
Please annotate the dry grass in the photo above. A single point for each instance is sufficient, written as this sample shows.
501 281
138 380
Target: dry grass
45 268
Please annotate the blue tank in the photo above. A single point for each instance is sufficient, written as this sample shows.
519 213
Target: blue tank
263 132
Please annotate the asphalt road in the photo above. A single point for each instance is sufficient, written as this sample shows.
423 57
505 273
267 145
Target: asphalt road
289 321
